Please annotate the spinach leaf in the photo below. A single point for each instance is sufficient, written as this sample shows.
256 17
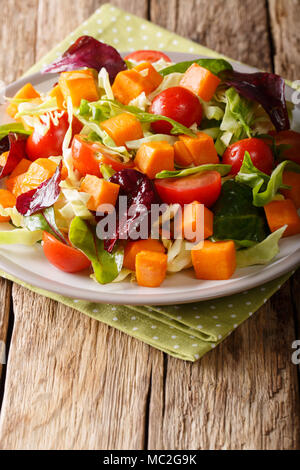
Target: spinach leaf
106 265
215 66
235 217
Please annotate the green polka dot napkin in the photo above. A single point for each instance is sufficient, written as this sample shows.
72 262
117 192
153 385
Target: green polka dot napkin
185 331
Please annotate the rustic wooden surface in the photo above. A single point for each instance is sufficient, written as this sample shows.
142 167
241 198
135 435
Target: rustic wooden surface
74 383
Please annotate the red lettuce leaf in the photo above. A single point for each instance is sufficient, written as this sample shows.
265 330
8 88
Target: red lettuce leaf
15 145
268 89
139 190
45 195
88 52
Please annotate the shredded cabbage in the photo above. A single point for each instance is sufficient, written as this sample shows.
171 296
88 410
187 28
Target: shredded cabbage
16 217
179 256
170 80
20 236
135 144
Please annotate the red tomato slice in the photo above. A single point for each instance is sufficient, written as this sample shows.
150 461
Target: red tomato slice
88 156
147 56
291 138
203 187
48 143
64 257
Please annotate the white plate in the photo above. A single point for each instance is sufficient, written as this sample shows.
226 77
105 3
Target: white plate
29 264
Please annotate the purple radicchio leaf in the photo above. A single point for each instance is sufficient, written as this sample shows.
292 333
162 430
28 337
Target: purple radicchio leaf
268 89
86 51
14 144
141 194
45 195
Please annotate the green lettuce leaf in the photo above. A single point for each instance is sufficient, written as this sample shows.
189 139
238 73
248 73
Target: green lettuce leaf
45 221
261 253
106 266
15 127
20 236
264 187
220 167
215 66
235 217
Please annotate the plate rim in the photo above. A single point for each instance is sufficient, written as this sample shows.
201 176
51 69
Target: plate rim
266 274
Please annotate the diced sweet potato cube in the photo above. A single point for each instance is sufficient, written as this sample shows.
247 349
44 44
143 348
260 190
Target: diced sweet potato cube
292 179
21 167
201 148
280 213
194 213
79 84
129 84
39 171
214 261
27 92
151 268
123 128
57 93
153 157
152 79
200 81
181 154
7 199
100 190
134 247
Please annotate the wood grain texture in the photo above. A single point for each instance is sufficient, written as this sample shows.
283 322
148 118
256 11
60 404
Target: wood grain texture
5 294
232 27
245 394
74 383
285 27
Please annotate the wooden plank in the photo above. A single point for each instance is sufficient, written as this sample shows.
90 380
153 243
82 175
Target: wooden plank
243 395
285 25
234 27
18 56
72 382
5 295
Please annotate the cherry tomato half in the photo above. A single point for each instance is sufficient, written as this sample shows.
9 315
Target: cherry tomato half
260 153
203 187
179 104
291 138
64 257
47 139
147 56
87 157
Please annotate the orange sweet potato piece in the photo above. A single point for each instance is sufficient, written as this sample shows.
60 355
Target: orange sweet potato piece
153 157
27 92
152 79
192 213
214 261
292 179
123 128
129 84
57 93
101 191
79 84
39 171
200 81
21 167
7 199
134 247
201 148
151 268
181 154
281 213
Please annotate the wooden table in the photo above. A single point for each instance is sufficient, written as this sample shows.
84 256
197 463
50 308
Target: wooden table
74 383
